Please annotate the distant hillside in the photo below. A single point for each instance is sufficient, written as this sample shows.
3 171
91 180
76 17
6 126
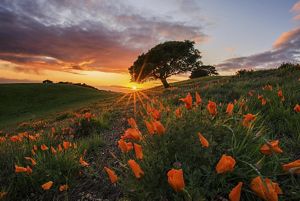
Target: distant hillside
21 102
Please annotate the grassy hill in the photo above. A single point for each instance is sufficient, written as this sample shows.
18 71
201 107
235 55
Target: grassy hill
21 102
261 134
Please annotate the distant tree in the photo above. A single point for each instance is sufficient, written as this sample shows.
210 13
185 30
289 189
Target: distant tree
164 60
47 82
243 72
202 71
289 66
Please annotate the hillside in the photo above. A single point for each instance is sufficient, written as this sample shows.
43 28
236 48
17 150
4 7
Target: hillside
214 133
20 102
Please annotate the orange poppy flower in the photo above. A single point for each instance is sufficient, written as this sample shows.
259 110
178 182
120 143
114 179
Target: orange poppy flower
155 114
293 167
53 150
83 163
44 147
138 151
67 145
63 187
46 186
2 139
31 137
176 180
88 115
35 148
203 140
178 113
198 99
263 101
271 147
132 122
248 118
59 147
125 146
19 169
159 128
150 127
33 152
225 164
266 190
235 193
188 100
33 162
136 169
229 108
15 138
132 133
111 174
259 97
297 108
280 95
212 108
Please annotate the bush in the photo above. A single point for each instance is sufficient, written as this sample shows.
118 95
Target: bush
203 71
243 72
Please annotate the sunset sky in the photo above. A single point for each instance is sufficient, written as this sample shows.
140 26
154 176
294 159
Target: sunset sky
95 41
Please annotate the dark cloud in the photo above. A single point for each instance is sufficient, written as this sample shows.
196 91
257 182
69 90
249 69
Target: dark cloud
81 35
5 81
285 49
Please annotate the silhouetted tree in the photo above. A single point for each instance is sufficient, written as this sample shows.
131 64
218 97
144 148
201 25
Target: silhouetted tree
203 71
47 82
164 60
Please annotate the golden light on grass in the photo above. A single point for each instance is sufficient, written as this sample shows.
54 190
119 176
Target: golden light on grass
134 88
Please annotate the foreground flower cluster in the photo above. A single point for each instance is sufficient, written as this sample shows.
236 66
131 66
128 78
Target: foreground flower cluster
226 166
44 162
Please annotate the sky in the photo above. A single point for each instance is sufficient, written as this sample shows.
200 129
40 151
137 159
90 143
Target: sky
96 41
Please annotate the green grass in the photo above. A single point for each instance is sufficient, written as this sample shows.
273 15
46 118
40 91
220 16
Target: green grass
178 147
23 102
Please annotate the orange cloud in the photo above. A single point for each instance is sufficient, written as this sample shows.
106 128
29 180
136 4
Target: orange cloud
296 7
297 17
285 37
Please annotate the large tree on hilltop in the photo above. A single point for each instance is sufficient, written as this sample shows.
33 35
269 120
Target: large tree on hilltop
164 60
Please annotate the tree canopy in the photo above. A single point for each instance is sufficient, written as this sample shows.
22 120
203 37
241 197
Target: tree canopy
164 60
204 70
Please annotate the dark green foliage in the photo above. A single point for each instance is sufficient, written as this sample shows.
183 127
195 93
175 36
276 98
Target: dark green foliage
164 60
203 71
243 72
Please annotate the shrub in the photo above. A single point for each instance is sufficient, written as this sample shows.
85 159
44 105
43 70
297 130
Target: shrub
243 72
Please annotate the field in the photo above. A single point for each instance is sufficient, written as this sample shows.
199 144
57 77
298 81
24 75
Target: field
21 102
213 138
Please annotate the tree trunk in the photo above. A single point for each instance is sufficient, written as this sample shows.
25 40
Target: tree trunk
165 83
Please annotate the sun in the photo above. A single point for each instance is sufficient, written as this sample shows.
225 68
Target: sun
134 88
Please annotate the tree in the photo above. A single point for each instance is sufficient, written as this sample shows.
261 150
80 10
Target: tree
202 71
164 60
47 82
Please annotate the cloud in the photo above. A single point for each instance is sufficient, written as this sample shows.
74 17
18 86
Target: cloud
296 7
7 80
82 35
285 49
297 17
